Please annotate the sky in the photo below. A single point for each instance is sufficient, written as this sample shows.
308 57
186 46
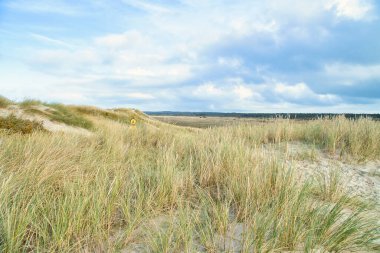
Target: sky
194 55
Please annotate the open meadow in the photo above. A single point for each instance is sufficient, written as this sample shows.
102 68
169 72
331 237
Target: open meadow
205 122
83 179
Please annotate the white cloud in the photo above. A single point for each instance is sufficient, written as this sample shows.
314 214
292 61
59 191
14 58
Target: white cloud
207 90
147 6
155 75
351 9
160 50
349 74
229 89
45 6
156 55
244 26
300 92
68 96
232 62
77 64
233 93
243 92
51 41
140 95
130 57
131 38
296 91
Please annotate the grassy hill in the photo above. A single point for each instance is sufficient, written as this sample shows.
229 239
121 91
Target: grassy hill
155 187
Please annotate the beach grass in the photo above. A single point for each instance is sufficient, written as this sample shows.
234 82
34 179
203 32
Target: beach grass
172 189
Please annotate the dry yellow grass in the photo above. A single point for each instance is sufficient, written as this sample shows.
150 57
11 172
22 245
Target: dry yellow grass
172 189
11 124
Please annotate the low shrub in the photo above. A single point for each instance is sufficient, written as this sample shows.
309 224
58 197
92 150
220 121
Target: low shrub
4 102
12 124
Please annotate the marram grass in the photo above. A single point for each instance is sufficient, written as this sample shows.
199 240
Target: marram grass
169 189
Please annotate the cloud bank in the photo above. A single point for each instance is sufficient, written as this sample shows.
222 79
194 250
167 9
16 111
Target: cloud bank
192 55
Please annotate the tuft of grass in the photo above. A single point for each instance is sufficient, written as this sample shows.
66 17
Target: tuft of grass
68 116
12 124
58 112
102 113
344 136
30 102
308 155
328 236
4 102
120 115
329 187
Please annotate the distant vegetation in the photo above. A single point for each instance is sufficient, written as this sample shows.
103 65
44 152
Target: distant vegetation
299 116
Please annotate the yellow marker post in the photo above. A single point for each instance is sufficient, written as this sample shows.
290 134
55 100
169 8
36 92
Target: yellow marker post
133 122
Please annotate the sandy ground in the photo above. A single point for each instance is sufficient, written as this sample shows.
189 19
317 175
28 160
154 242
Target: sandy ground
358 179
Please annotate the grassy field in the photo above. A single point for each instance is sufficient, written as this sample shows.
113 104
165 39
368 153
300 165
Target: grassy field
161 188
205 122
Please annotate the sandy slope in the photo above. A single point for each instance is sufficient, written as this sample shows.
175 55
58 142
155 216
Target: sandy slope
49 125
358 179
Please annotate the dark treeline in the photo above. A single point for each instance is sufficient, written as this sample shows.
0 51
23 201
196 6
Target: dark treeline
300 116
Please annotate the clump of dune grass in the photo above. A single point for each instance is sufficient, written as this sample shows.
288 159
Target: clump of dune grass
29 103
64 114
345 136
120 114
4 102
329 186
56 112
12 124
115 115
338 136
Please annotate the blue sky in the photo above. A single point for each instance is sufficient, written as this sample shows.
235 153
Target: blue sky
194 55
